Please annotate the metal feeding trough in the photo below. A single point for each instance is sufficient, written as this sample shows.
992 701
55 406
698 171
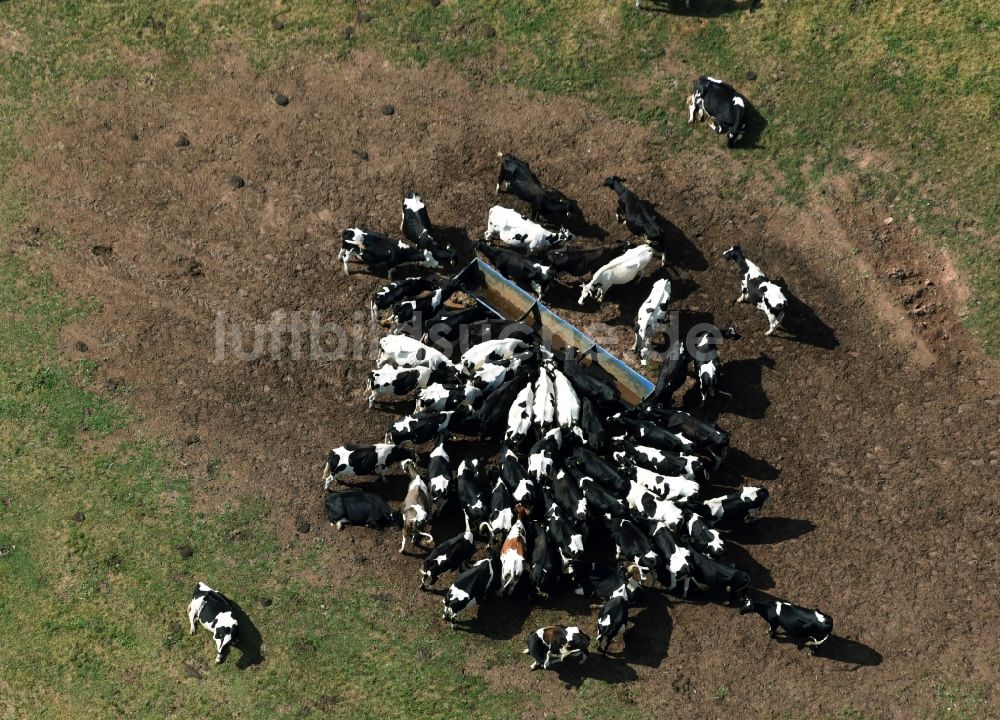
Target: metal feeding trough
500 296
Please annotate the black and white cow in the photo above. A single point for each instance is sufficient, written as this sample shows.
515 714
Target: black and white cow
452 554
518 232
639 216
352 460
543 409
808 626
501 513
468 489
675 565
495 410
452 326
518 268
589 427
214 612
671 376
546 564
354 507
399 290
569 497
715 576
374 248
757 289
567 402
614 615
568 537
517 179
600 499
668 487
620 271
419 428
652 312
439 477
402 351
600 580
389 381
519 415
700 536
519 482
592 465
423 308
442 397
589 385
648 433
652 506
550 645
543 455
722 103
491 351
742 506
416 227
632 544
708 367
470 588
660 461
703 436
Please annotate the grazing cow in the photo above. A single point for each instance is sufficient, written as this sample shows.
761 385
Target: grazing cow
590 385
808 626
600 499
470 588
717 576
546 564
373 248
703 436
592 465
567 401
701 537
632 544
645 502
416 508
671 376
543 409
402 351
452 554
214 612
516 479
650 434
519 415
404 289
493 414
518 268
469 493
439 475
757 289
639 216
353 460
707 364
418 428
569 497
543 454
491 351
651 313
501 514
722 103
515 231
516 178
490 376
416 227
614 614
353 507
389 381
512 555
601 581
742 506
623 269
580 261
567 537
550 645
446 398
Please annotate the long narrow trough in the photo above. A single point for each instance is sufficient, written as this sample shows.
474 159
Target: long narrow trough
499 295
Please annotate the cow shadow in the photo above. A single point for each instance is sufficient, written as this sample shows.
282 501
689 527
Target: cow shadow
742 379
459 241
769 530
742 464
699 8
598 667
249 641
849 652
760 576
754 125
681 251
581 227
499 618
647 641
803 325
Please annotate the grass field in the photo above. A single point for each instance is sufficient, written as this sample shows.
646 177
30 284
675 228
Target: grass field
914 84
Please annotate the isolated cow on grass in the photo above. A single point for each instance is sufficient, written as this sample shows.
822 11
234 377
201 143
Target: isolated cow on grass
214 612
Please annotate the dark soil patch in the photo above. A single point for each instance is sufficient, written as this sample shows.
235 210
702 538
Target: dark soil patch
866 427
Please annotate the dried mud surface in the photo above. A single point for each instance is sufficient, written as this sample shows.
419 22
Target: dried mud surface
874 426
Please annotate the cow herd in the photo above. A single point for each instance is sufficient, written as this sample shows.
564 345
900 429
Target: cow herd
559 484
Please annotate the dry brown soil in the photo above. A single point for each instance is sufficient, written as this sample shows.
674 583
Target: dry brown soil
874 424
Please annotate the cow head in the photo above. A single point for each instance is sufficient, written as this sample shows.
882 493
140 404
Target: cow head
564 236
734 253
746 607
577 641
224 630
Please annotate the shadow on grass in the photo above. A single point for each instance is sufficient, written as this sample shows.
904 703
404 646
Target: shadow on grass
249 641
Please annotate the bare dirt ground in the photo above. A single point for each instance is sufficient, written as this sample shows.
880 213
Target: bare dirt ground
875 427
